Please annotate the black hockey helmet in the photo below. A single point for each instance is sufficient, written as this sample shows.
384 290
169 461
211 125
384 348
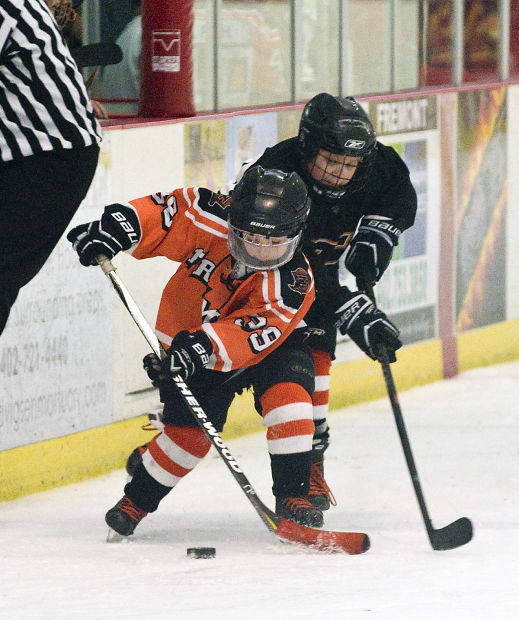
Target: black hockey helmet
337 125
267 214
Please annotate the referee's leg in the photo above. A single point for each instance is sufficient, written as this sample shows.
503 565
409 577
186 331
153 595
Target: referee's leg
38 198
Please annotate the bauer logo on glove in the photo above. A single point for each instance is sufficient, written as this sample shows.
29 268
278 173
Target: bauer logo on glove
371 248
367 326
118 229
189 353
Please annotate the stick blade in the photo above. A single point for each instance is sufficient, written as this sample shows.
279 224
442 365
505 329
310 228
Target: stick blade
454 535
323 540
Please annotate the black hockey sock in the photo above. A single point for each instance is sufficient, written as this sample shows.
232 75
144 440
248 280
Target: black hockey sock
291 474
144 490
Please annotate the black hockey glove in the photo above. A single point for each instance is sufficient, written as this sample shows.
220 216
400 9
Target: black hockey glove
367 326
371 248
189 352
153 367
118 229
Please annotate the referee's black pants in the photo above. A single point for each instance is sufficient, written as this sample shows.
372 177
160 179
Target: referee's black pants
38 198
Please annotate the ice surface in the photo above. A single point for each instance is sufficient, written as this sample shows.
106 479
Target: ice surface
55 563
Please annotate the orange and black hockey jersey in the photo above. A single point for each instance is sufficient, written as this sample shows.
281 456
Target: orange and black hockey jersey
245 314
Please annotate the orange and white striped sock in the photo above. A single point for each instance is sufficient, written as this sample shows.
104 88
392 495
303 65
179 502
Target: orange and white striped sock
287 414
174 453
322 365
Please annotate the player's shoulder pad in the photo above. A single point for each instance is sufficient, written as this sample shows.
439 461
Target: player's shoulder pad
214 203
282 156
296 280
390 161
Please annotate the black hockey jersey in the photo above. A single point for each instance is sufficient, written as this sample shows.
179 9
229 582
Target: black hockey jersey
331 225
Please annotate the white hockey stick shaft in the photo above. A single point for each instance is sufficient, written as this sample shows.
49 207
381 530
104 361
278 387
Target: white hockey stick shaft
125 296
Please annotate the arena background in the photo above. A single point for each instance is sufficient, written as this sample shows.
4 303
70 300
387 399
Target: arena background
72 391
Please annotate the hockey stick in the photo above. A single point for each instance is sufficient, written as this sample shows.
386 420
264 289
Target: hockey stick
321 540
97 54
458 532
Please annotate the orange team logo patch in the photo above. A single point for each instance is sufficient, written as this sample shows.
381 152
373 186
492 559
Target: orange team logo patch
301 281
219 199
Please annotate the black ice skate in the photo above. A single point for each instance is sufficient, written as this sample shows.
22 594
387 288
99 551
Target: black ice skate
320 494
299 510
124 517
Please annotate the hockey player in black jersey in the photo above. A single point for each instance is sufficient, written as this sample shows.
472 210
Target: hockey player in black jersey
362 200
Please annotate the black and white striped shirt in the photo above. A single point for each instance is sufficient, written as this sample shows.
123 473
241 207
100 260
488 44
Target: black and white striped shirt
44 105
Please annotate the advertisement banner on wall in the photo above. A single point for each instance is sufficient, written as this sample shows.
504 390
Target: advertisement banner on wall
288 123
408 289
204 154
481 222
246 137
55 353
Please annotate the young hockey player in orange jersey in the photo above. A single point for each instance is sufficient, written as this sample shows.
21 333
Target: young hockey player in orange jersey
230 318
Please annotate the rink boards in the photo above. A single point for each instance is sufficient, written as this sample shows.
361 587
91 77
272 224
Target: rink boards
94 452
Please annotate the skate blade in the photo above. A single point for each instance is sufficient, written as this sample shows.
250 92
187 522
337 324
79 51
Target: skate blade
114 537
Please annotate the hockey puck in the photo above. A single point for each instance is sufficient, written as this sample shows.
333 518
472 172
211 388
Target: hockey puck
201 552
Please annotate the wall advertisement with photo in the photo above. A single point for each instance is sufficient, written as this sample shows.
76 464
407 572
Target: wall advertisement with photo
408 290
56 350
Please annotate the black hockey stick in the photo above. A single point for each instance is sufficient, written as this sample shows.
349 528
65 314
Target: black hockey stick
97 54
458 532
321 540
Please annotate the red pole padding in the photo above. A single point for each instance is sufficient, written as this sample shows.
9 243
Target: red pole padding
167 58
